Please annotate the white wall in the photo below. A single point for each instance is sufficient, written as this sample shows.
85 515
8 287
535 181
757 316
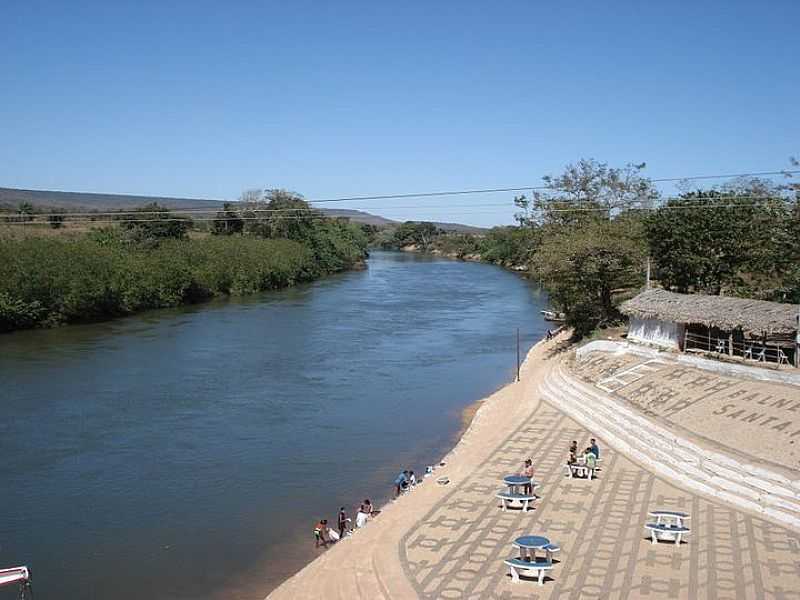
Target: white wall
659 333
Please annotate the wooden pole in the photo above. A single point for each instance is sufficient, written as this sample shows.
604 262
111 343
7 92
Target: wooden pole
647 283
797 341
730 344
517 353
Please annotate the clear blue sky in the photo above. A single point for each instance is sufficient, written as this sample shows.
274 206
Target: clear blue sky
204 99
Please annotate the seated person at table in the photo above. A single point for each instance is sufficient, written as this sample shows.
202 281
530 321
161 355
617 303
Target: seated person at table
591 459
593 448
572 460
527 471
573 447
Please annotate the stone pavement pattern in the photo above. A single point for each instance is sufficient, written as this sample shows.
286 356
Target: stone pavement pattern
735 413
457 548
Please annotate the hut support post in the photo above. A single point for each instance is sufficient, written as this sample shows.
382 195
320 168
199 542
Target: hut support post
730 344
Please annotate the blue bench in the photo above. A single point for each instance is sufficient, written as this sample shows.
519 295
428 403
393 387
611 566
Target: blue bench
522 500
518 565
662 531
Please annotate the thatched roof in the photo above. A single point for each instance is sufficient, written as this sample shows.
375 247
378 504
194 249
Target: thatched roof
752 316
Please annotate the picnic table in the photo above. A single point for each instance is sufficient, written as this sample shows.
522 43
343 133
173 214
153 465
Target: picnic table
527 562
529 544
669 517
669 526
579 469
516 481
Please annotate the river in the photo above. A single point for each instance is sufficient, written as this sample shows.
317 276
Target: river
187 453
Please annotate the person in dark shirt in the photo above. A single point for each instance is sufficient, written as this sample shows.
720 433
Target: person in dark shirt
593 448
401 482
342 522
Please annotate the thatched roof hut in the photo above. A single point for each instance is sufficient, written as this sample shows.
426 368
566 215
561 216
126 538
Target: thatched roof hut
753 317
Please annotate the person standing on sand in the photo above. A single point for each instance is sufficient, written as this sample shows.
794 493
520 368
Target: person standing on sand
527 471
361 517
342 522
321 533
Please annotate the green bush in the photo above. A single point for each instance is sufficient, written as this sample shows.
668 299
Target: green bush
47 281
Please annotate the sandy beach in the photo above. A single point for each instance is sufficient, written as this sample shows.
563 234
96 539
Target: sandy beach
449 541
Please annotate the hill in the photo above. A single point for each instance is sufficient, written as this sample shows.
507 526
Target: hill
11 198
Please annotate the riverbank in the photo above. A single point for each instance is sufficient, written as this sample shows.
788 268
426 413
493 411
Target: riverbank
368 565
450 541
467 257
239 401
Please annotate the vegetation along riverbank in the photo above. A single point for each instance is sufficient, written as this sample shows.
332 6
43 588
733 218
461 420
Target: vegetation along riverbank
152 258
589 233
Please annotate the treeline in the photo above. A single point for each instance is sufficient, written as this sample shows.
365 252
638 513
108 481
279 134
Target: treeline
588 234
149 260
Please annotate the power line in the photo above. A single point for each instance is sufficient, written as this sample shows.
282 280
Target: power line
14 218
311 209
787 173
540 187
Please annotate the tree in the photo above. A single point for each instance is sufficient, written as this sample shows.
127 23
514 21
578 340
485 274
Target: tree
510 246
722 241
587 191
418 233
584 267
26 211
281 214
153 222
228 221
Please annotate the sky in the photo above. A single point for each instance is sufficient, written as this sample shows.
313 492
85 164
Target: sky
331 99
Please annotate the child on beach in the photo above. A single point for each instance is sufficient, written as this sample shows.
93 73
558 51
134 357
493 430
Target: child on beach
527 471
321 533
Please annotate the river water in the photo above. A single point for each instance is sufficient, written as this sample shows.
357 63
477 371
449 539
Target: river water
188 453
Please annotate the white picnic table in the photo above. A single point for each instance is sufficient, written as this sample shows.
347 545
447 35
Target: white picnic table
669 526
669 516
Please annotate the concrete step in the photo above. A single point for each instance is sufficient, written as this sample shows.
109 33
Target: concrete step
705 471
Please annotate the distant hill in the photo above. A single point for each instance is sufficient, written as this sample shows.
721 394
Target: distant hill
11 198
76 201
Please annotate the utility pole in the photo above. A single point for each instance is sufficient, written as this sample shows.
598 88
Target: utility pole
647 283
517 353
797 341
